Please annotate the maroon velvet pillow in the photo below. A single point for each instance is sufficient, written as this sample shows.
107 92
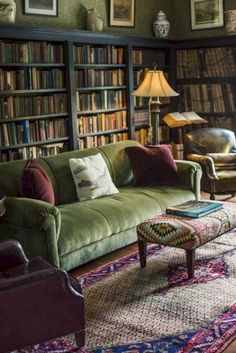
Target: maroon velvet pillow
35 184
152 165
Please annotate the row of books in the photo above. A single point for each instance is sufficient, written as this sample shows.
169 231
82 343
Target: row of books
31 52
31 78
225 122
208 97
13 106
101 122
141 117
106 99
138 76
33 152
91 77
137 56
141 135
91 54
25 131
95 141
207 62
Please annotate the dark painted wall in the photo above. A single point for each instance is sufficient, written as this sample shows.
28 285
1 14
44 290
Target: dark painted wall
181 19
72 15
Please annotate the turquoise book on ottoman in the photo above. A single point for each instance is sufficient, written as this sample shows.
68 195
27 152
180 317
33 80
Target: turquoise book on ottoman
195 209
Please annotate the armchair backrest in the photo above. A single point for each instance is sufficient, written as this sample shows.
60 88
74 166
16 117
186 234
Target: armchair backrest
210 140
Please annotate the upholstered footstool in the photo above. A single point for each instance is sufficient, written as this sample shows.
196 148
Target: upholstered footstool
185 233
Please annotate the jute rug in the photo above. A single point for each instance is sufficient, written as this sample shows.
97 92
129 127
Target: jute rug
157 309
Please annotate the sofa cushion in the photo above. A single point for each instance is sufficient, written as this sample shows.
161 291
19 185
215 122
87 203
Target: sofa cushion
91 177
35 184
153 165
120 169
87 222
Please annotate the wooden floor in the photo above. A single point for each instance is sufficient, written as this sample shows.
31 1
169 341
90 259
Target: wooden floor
129 250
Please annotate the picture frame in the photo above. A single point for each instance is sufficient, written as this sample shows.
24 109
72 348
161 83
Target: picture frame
41 7
122 13
206 14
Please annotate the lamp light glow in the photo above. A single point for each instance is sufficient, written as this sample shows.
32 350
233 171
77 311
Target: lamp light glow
154 86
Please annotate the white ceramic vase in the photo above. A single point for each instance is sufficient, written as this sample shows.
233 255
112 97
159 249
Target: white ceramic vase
230 22
161 25
94 22
7 11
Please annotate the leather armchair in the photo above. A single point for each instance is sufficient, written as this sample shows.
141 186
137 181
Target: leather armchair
215 150
38 301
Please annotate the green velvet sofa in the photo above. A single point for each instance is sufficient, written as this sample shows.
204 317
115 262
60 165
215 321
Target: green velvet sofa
72 233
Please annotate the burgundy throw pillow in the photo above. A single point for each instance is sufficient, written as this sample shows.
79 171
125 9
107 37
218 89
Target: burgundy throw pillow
35 184
152 165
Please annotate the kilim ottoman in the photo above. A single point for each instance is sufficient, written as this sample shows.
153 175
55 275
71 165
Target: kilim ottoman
185 233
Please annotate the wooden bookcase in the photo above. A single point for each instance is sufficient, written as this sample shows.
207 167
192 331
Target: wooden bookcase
66 89
206 79
101 94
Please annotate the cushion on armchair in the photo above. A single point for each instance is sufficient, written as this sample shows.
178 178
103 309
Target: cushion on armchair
223 160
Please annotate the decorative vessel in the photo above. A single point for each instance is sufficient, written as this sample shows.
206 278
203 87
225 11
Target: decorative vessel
94 22
7 11
161 25
230 22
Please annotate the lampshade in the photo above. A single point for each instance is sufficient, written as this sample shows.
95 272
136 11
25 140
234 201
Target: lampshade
155 85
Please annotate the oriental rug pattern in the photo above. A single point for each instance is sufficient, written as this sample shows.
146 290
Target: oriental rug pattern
157 309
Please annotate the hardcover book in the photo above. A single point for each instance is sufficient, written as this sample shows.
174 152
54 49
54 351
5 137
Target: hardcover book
195 209
177 119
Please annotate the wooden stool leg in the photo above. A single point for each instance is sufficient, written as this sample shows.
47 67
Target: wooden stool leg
142 248
190 257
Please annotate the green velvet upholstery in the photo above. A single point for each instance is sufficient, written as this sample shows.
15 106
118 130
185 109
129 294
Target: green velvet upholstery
72 232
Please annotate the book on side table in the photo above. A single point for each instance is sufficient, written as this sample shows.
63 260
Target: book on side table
195 209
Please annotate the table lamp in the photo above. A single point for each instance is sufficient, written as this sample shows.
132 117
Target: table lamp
154 86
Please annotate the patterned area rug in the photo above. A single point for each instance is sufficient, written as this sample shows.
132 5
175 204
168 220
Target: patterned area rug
157 309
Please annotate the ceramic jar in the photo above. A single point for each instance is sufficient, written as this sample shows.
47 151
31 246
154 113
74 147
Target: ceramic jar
161 25
7 11
94 22
230 21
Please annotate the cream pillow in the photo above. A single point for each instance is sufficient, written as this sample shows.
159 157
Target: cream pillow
91 177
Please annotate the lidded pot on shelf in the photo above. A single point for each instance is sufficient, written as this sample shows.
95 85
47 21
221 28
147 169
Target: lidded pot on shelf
161 25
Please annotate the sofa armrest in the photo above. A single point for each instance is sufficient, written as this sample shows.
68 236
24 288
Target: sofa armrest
190 174
206 162
26 218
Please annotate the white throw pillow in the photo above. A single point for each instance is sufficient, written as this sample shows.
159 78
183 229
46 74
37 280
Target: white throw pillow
91 177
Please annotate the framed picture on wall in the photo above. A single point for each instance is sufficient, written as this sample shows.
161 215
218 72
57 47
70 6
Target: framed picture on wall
41 7
122 13
206 14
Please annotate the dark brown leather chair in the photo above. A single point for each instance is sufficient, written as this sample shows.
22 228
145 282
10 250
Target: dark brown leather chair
38 301
215 150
